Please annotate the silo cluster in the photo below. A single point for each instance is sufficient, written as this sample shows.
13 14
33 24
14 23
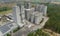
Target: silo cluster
27 12
33 16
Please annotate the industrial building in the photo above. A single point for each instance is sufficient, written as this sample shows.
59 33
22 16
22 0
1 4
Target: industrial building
25 15
30 12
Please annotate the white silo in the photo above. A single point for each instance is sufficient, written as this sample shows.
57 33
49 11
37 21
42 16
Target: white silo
23 13
38 18
41 7
28 13
31 13
32 17
16 15
45 11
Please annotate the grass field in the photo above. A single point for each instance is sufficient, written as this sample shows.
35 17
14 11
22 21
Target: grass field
5 12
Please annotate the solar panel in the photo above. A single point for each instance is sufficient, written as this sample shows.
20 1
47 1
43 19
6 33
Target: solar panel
10 25
6 27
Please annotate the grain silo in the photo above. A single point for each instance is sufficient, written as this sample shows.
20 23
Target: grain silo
16 14
37 17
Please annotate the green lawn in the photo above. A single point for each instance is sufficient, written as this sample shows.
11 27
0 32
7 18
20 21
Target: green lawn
54 14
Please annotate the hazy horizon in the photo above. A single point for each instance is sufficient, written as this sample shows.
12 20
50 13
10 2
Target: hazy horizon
31 0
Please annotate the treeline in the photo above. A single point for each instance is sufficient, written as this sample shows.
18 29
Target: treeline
4 9
54 17
53 23
38 33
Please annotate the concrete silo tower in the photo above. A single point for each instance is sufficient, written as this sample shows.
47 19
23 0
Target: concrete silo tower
18 19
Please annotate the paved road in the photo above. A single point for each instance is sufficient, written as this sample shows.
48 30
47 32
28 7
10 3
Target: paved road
25 30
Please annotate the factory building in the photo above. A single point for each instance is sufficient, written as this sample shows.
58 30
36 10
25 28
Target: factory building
24 14
19 15
29 12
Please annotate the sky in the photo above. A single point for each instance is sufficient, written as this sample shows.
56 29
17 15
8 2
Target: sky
33 0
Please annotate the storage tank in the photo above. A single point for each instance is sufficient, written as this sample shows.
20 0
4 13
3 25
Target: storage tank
16 15
23 14
37 18
32 17
43 9
28 13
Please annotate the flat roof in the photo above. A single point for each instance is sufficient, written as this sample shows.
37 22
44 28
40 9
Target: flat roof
4 29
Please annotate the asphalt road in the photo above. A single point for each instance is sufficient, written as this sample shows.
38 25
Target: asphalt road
25 30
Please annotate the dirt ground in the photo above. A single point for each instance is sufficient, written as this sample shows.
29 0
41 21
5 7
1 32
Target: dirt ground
55 2
50 32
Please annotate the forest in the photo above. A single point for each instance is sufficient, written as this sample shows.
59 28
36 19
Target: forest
53 23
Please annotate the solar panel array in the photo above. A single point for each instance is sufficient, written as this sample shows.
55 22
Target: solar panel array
6 28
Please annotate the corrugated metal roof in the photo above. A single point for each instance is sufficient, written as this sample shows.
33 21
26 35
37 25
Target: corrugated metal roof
4 29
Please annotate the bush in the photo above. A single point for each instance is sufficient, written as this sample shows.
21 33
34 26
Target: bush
38 33
8 34
18 28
